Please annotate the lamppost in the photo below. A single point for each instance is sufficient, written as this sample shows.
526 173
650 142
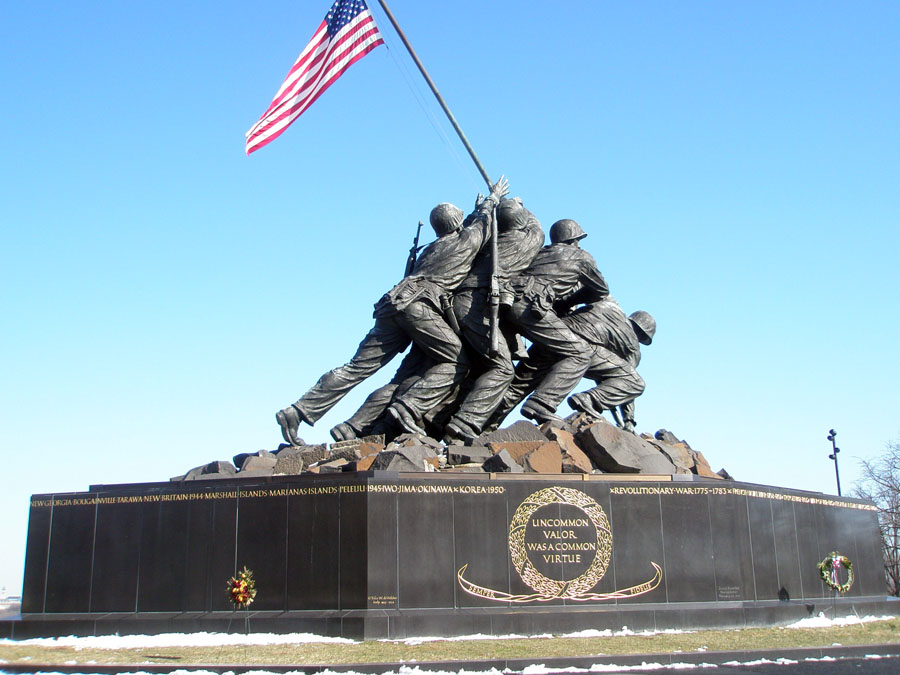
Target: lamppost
834 453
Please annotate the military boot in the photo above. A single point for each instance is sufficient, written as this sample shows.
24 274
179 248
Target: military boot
583 403
289 420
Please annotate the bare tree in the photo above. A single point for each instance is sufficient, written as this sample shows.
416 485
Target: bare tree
880 483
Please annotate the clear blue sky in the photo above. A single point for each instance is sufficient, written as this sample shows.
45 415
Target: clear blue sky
736 165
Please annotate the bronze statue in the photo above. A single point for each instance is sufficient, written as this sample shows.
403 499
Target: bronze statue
412 311
561 276
618 383
519 240
458 377
370 417
615 354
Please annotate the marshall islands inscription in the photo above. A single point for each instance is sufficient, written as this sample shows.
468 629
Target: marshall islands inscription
379 553
395 555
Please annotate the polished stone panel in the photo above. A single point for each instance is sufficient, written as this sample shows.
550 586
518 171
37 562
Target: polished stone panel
787 552
353 551
425 574
314 570
385 554
162 557
115 579
198 556
762 542
36 550
730 533
382 574
71 557
223 562
480 541
637 541
688 549
808 550
868 555
262 547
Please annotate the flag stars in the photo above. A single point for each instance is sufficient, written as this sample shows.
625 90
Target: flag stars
343 12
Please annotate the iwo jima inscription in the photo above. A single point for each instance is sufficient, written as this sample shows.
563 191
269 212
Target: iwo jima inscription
464 307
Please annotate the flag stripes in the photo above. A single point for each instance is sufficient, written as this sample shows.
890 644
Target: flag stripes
321 62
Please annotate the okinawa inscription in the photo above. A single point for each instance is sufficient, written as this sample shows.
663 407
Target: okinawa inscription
560 544
465 549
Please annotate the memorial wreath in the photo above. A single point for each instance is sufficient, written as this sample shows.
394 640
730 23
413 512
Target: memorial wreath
242 589
828 570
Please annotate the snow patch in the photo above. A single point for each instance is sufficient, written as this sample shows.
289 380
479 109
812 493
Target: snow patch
762 662
176 640
590 633
822 621
540 669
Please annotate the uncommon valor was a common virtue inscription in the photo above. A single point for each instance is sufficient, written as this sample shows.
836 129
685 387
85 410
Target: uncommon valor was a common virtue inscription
560 543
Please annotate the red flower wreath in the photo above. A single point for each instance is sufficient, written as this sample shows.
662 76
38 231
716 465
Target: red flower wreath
242 589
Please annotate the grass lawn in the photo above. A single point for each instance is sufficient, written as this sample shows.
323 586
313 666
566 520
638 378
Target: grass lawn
885 631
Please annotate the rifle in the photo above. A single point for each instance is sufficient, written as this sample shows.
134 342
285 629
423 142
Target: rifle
413 251
494 318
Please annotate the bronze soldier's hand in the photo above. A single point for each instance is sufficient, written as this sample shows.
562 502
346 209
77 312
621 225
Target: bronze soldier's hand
500 188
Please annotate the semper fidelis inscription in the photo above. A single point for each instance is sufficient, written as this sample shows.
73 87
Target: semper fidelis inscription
560 544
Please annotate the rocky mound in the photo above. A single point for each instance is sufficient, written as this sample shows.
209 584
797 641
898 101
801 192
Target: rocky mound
578 444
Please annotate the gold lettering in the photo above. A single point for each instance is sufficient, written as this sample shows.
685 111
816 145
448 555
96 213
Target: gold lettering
559 522
562 558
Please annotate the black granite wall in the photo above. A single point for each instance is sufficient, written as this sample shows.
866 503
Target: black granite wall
399 542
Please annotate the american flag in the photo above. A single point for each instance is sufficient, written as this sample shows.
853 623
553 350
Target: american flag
347 33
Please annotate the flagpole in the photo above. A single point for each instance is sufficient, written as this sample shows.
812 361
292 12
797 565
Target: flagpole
437 94
494 294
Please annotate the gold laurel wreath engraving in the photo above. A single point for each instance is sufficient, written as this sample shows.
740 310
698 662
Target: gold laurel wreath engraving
545 587
558 588
501 596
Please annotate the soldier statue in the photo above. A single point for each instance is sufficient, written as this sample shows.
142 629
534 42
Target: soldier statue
615 354
370 417
561 276
412 311
613 367
519 240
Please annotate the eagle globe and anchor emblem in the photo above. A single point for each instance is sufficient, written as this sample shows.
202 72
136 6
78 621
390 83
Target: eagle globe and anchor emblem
553 532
